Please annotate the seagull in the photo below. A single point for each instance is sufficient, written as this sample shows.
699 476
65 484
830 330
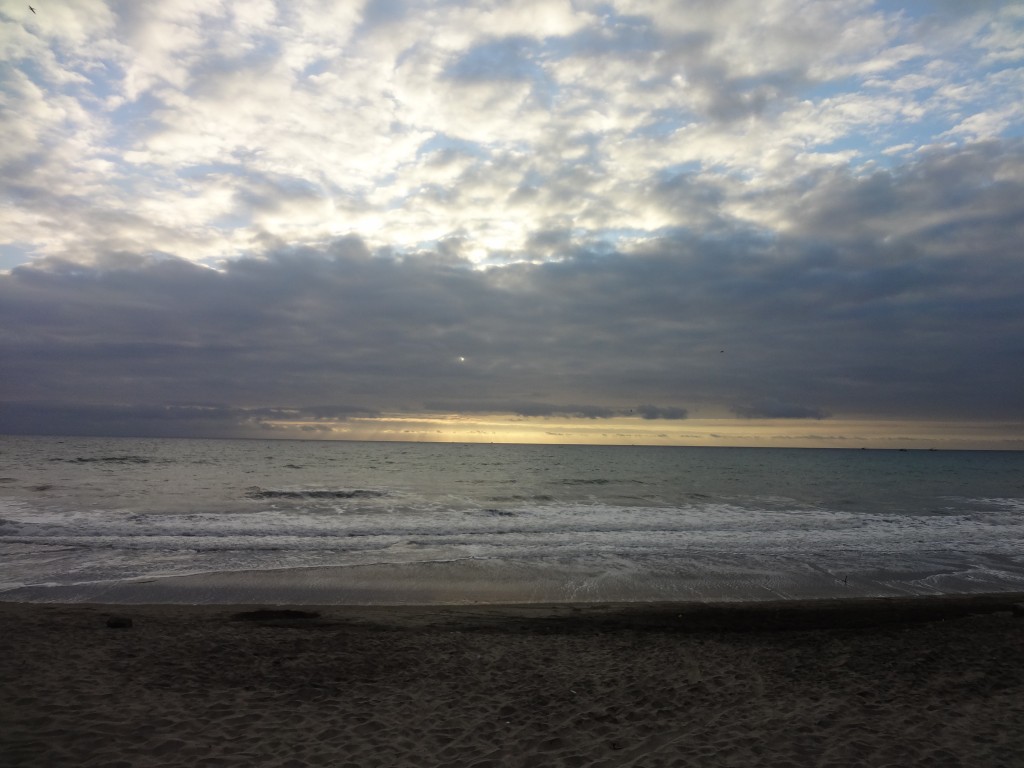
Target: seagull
32 9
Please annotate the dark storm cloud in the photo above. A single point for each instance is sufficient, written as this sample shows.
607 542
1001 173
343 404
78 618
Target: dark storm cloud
909 314
956 203
654 412
69 418
770 409
173 420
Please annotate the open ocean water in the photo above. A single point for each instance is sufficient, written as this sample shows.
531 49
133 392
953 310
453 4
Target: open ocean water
138 519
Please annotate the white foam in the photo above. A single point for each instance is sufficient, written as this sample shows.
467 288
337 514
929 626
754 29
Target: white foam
97 544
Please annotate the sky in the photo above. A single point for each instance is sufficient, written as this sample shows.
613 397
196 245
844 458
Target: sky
728 222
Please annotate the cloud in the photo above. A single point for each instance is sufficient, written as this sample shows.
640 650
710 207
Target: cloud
70 418
166 420
654 412
550 209
773 409
161 128
892 294
523 409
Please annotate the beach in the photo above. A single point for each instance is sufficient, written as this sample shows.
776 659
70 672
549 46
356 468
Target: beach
934 681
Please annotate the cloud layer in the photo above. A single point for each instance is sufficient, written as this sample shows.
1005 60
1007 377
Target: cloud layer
221 214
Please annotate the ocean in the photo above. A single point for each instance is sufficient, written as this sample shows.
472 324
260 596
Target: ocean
179 520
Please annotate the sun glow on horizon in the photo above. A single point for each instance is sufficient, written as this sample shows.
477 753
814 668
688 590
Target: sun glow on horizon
732 432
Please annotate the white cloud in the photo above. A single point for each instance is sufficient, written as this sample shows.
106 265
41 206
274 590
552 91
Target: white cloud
1003 39
200 128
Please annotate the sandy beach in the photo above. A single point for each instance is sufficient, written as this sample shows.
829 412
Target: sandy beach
876 682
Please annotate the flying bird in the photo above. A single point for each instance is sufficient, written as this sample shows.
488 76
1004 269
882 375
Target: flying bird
32 9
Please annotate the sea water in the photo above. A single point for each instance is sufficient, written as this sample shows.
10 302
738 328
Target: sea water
235 520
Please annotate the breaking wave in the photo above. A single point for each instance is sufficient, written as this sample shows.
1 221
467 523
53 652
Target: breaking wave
308 493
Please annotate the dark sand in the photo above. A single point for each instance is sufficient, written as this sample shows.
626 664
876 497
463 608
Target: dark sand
885 682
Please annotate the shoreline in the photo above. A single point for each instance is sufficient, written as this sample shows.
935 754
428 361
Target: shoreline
869 682
570 617
492 581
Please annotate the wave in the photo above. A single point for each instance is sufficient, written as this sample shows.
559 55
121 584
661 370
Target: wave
521 497
308 493
106 460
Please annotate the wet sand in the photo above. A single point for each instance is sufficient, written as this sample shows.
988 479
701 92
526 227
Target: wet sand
874 682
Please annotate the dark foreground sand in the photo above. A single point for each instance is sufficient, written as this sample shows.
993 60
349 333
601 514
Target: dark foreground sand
936 682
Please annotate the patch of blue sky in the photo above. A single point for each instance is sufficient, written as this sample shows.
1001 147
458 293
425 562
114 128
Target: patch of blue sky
29 68
218 263
858 143
440 193
420 246
590 141
258 52
441 142
15 254
510 59
505 59
545 92
246 154
295 187
315 68
612 239
230 222
662 124
948 10
619 35
135 117
830 89
1013 131
922 9
557 48
675 170
910 8
605 10
893 143
532 179
926 130
102 80
125 179
202 170
883 149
